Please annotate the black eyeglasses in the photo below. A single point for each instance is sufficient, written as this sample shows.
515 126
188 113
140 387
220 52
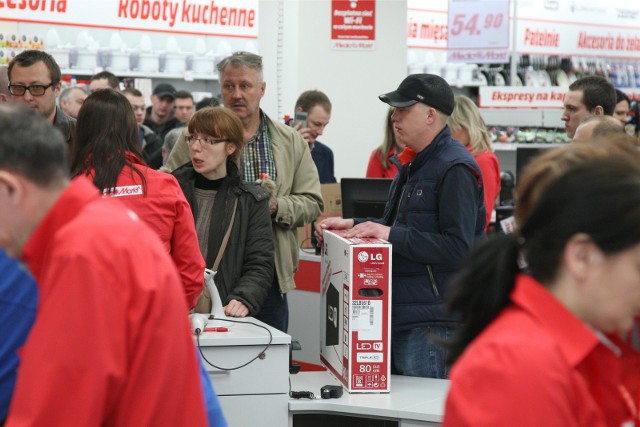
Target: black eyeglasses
208 141
35 90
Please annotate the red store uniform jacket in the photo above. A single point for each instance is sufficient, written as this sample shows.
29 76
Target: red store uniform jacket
164 208
375 169
537 364
490 168
111 344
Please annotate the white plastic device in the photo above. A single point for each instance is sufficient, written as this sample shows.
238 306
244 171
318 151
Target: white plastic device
198 322
217 309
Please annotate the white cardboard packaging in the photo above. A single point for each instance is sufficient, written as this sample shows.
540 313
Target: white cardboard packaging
355 324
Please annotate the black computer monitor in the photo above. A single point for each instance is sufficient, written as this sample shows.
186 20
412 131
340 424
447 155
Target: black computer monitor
364 197
525 154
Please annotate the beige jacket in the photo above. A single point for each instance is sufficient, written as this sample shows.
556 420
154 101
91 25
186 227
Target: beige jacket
297 192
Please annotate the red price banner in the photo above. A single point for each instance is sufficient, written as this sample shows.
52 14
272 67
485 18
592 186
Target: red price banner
478 31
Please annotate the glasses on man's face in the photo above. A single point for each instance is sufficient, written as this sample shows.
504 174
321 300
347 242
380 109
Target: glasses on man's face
206 141
35 90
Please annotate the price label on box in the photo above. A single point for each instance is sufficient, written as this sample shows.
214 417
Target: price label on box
478 31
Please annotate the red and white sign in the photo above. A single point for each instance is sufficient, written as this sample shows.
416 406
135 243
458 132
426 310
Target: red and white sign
579 28
544 27
355 330
427 24
229 18
478 31
521 97
575 39
353 24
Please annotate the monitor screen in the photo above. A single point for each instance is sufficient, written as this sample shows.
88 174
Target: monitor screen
524 156
364 197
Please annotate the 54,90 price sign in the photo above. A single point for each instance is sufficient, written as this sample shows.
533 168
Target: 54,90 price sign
478 23
463 22
478 30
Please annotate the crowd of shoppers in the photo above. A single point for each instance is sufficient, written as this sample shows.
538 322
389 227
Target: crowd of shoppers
457 298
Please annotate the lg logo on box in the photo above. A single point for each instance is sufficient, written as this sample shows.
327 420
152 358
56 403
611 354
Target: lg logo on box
364 257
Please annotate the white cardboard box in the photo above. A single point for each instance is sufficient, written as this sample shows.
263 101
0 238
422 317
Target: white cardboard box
355 324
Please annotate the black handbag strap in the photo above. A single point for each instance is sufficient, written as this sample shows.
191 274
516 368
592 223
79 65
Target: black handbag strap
225 240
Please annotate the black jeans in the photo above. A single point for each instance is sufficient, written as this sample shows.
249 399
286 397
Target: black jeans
275 310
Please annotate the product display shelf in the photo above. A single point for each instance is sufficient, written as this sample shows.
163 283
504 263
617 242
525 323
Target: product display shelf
513 146
142 74
523 117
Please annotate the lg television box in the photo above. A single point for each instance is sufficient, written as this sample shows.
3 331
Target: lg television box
355 328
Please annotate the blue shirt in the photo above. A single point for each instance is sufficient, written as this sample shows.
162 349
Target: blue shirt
18 302
214 411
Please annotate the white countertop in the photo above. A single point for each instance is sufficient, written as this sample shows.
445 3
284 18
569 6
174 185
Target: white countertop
243 333
411 398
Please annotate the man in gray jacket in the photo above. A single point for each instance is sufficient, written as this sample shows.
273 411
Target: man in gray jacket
35 80
279 152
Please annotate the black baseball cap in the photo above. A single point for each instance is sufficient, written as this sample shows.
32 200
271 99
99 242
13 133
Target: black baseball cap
165 89
426 88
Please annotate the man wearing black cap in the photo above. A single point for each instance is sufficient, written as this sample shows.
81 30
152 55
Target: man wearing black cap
160 114
434 215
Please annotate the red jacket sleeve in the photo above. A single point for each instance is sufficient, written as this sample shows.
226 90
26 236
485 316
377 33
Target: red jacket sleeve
490 168
185 250
375 169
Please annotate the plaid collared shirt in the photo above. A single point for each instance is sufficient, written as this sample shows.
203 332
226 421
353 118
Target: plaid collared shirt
258 154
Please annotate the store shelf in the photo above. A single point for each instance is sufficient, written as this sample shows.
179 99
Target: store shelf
142 74
513 146
523 117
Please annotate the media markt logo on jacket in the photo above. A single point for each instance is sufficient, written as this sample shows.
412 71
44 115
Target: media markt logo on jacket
127 190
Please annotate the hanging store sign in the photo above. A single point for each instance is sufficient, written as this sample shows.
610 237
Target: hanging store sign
353 24
229 18
585 28
427 24
478 31
521 97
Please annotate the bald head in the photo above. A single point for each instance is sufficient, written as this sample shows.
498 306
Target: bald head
4 84
593 127
71 99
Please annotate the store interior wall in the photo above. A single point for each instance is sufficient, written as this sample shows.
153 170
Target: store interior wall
351 79
294 38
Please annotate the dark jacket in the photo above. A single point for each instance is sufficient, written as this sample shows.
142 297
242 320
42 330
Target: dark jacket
436 213
65 124
161 129
246 269
323 158
151 147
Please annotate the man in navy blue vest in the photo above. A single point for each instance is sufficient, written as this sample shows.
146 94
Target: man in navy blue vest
434 216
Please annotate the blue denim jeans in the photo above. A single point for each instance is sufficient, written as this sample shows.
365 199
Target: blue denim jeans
275 310
418 353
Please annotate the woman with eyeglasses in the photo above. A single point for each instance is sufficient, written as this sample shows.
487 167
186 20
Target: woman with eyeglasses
213 185
107 149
